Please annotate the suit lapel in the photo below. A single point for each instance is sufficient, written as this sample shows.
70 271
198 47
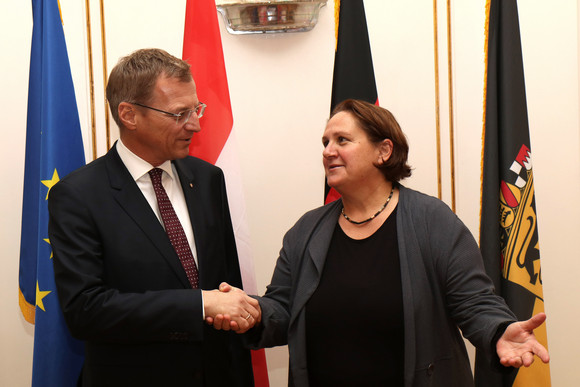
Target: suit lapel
313 262
192 192
131 199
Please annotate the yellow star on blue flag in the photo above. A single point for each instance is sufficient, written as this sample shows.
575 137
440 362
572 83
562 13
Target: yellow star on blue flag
40 294
50 183
48 241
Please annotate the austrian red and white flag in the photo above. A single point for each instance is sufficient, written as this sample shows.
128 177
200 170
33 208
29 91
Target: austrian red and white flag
202 48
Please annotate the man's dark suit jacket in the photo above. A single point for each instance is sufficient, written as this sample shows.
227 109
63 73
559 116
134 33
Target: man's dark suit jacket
122 287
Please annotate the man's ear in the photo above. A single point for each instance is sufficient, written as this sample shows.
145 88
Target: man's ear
385 151
127 115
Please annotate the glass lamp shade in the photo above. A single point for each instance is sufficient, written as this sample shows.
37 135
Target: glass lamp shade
270 16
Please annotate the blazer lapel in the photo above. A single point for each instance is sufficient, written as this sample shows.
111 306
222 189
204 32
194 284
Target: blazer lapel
131 199
314 259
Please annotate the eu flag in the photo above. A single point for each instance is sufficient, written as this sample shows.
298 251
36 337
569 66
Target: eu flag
53 149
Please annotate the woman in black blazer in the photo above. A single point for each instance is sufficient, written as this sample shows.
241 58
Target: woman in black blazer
376 288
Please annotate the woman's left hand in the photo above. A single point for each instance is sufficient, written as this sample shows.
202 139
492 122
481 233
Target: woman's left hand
518 345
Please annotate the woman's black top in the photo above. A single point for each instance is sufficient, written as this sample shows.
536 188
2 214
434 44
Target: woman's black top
354 319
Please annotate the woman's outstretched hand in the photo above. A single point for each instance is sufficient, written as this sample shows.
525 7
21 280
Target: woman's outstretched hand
518 345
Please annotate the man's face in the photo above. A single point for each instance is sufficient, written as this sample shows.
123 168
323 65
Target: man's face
158 136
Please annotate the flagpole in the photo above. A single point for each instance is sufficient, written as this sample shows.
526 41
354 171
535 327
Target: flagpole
105 73
450 84
437 102
486 49
91 80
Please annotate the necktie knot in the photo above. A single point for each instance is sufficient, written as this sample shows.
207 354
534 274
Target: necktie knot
156 174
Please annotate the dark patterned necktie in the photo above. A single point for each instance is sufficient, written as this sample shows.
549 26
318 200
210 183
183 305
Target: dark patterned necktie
174 229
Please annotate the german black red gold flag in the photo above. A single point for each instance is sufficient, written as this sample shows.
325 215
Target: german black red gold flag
508 230
354 76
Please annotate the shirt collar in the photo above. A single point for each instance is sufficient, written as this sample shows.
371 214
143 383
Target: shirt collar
136 165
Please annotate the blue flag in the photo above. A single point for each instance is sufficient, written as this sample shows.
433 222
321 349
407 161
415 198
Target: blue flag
54 148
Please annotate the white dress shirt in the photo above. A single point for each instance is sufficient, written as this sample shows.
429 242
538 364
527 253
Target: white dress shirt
139 170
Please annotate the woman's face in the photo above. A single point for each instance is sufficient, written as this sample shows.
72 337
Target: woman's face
349 157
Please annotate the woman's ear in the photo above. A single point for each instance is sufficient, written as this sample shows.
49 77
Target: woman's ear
127 115
385 151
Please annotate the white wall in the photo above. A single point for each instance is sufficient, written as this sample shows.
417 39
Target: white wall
280 93
16 334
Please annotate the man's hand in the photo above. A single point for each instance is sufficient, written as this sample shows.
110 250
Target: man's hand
230 308
518 345
226 321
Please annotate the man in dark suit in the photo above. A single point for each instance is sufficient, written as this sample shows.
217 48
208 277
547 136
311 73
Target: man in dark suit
132 258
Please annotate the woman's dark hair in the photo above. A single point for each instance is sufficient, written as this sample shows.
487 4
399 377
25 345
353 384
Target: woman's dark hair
379 124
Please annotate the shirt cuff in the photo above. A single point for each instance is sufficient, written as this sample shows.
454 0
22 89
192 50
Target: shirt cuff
203 308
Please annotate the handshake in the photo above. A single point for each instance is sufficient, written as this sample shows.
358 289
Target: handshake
230 308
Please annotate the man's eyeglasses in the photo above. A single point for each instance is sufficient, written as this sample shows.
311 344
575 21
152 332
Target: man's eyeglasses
180 118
